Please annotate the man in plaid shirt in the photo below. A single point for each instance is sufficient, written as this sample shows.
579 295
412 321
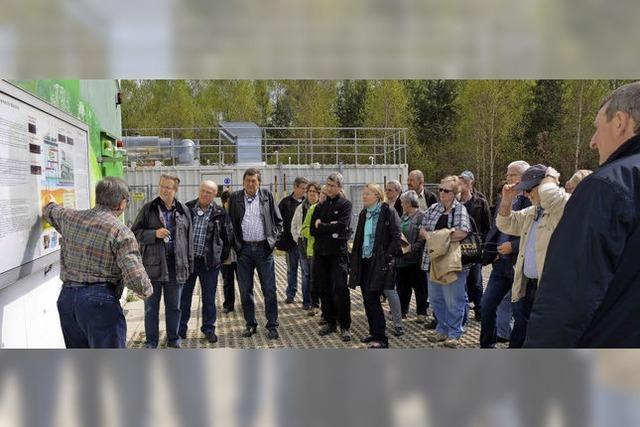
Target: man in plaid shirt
99 255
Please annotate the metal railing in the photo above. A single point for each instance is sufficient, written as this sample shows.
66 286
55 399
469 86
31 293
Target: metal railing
285 145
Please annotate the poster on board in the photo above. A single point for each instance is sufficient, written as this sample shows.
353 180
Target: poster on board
41 154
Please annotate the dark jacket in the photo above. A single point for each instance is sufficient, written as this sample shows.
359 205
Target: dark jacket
478 209
490 250
589 291
270 215
287 208
385 248
398 207
414 255
153 250
331 239
219 234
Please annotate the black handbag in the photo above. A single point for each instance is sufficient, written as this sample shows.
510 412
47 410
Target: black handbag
471 246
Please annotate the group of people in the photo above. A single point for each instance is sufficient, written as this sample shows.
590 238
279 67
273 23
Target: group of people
562 268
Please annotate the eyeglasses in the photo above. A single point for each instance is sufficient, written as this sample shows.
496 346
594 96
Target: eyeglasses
389 189
444 190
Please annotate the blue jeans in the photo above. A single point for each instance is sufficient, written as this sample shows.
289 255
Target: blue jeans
172 292
499 286
394 306
521 313
293 259
257 257
208 283
305 266
504 317
449 305
91 317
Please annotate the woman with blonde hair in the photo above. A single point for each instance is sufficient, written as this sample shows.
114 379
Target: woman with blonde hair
447 296
376 244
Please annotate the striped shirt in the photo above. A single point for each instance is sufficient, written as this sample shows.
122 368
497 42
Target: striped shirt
97 248
459 221
252 222
200 223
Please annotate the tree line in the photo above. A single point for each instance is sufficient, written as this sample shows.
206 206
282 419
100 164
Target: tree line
453 125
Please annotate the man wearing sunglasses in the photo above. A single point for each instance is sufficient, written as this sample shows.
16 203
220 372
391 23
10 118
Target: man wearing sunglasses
534 225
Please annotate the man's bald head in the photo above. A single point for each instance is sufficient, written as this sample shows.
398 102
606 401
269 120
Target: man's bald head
416 180
208 192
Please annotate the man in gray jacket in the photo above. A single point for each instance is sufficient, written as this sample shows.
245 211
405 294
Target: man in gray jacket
163 229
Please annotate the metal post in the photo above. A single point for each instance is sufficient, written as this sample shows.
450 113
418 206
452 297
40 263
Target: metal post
311 142
298 160
355 133
336 150
173 158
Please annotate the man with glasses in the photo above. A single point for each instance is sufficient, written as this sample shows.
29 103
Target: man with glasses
534 225
330 225
163 229
501 251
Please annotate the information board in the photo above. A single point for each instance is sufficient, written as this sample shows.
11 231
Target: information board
43 151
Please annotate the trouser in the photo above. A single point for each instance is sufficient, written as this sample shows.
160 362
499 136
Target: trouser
305 266
331 272
208 284
372 306
521 313
499 285
293 260
474 286
394 306
449 305
172 292
412 279
91 317
229 271
257 256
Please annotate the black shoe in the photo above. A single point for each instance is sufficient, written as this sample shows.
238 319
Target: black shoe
289 300
211 337
431 325
272 334
249 330
306 307
183 335
367 339
173 345
399 331
227 310
322 321
502 340
327 329
345 335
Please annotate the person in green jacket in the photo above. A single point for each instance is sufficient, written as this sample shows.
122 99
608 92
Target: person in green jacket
300 233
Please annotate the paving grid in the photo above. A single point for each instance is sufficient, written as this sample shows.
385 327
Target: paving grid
297 329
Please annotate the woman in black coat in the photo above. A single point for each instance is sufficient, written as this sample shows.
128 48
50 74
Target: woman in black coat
376 244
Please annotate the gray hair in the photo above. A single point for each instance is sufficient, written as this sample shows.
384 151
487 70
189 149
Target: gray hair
396 185
418 173
111 191
520 165
337 178
410 197
626 99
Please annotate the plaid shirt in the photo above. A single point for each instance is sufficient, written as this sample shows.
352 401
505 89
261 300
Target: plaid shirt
200 223
252 222
459 221
97 248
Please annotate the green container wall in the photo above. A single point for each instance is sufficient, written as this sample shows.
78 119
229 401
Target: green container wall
94 103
